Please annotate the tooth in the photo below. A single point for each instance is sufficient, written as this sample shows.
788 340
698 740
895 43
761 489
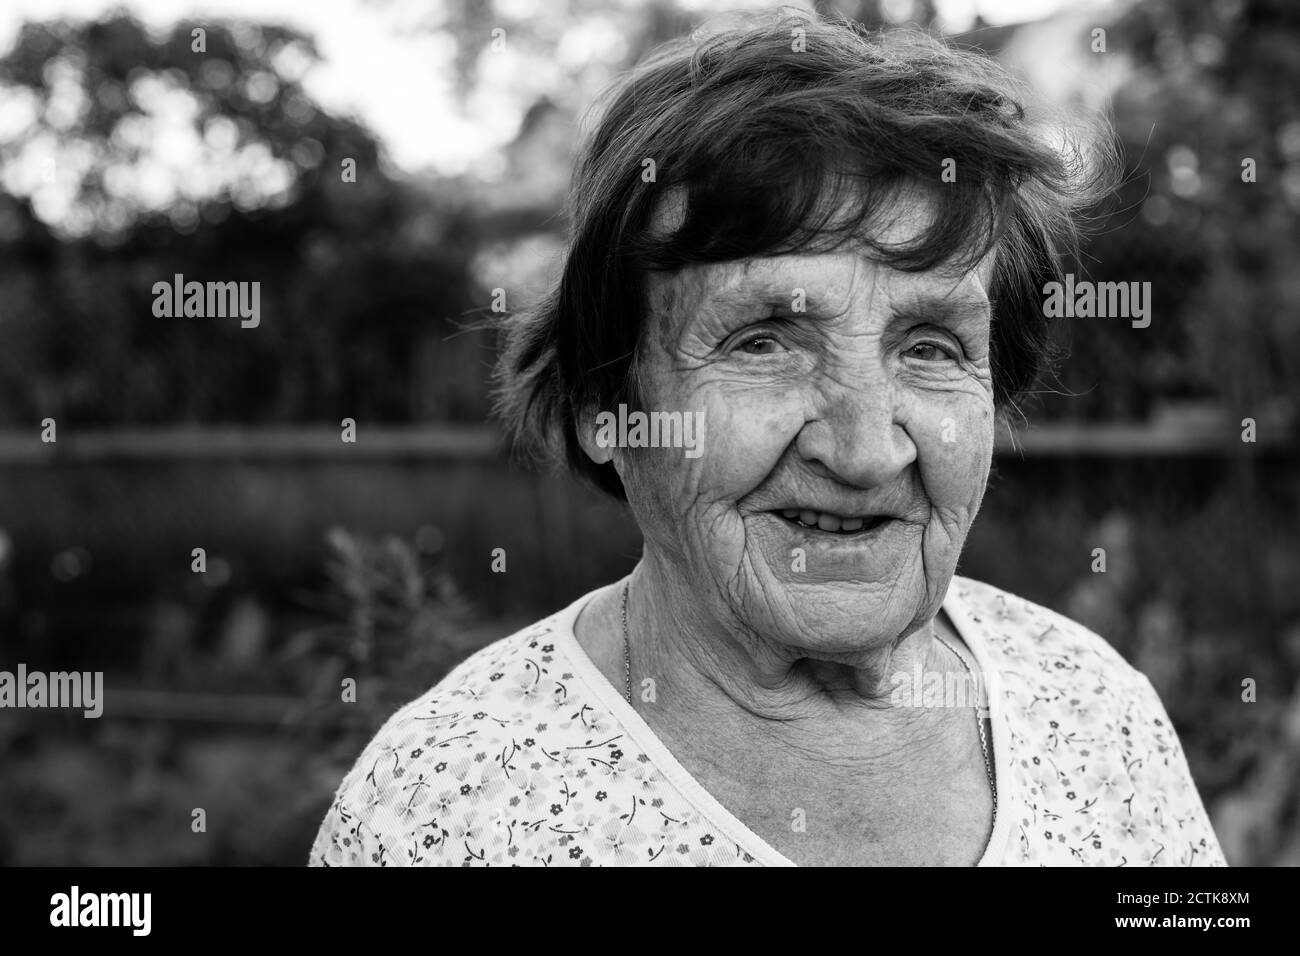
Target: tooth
852 524
828 522
790 513
808 517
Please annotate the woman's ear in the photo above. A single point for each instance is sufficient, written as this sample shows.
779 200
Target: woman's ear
595 435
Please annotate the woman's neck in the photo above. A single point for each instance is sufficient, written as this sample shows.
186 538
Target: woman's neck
693 667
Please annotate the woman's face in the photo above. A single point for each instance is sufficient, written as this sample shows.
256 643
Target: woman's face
848 432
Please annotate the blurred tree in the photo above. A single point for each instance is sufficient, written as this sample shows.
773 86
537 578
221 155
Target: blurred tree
1212 84
142 158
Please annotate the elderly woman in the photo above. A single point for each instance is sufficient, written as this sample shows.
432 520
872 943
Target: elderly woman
803 279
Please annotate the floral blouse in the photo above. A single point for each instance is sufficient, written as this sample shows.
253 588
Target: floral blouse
525 755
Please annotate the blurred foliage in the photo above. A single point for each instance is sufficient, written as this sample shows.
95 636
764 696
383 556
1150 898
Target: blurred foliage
402 625
1211 84
389 619
360 281
93 89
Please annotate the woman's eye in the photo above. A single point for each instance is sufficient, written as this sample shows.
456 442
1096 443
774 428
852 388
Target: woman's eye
759 345
930 352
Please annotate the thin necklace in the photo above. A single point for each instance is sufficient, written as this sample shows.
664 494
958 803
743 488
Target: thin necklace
627 650
979 721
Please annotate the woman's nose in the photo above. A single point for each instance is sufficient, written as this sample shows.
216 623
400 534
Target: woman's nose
858 437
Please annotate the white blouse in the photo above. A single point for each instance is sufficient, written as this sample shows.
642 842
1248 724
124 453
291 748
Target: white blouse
526 755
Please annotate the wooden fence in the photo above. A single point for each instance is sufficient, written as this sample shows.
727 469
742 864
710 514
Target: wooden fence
439 442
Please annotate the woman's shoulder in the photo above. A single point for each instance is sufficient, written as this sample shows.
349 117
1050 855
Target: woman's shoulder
1054 671
1019 631
441 760
498 678
1091 749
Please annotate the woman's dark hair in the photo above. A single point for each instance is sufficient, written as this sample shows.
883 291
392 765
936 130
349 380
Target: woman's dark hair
792 133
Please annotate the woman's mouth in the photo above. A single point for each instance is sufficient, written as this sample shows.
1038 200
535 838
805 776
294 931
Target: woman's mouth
833 524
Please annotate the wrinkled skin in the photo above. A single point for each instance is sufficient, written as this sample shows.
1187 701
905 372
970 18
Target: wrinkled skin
844 407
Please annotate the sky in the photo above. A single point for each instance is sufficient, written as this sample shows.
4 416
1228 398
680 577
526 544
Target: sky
379 69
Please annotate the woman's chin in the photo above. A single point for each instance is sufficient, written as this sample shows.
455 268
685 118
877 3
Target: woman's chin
824 628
